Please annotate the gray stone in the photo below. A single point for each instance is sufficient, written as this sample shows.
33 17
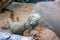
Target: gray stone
50 15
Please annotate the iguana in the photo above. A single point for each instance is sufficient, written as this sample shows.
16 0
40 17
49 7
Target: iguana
17 27
4 4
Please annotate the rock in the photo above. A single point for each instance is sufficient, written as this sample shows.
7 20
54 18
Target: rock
43 34
46 34
5 25
13 5
4 4
8 36
19 37
4 35
50 13
57 0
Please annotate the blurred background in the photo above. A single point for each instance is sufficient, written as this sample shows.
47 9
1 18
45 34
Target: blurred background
31 1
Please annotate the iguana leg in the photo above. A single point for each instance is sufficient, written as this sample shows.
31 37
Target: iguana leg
26 33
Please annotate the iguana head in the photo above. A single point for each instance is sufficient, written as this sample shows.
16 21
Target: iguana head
33 19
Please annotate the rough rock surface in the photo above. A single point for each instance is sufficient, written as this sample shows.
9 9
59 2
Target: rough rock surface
41 33
4 4
50 15
47 34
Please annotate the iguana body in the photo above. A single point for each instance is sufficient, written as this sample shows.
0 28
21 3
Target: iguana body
19 28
